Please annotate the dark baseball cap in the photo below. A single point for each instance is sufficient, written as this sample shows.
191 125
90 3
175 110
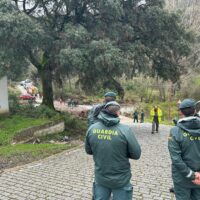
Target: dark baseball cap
110 94
187 103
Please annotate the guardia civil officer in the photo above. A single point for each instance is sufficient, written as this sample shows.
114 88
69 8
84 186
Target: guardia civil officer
111 144
93 113
184 149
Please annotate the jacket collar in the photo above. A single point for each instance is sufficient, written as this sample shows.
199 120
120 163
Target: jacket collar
187 119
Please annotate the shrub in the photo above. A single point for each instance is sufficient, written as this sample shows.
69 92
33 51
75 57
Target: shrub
14 105
72 122
41 111
44 111
28 110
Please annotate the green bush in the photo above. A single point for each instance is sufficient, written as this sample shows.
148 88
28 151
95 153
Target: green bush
45 112
29 110
72 122
41 111
14 105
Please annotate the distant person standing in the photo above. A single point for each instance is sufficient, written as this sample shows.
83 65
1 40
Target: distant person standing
142 117
184 149
135 116
156 114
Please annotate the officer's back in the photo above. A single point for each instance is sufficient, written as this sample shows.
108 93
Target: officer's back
111 144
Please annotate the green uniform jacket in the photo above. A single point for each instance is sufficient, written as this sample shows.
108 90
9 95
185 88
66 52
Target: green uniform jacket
184 148
93 113
111 144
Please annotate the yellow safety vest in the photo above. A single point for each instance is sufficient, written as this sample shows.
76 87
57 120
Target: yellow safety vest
152 113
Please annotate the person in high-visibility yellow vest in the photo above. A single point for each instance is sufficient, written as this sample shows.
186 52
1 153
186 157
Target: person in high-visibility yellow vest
156 114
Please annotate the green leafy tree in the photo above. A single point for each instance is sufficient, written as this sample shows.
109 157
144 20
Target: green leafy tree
98 40
18 33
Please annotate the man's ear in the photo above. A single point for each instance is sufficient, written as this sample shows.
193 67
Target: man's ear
181 114
118 113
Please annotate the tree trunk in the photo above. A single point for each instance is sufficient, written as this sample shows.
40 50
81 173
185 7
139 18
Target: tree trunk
113 84
46 79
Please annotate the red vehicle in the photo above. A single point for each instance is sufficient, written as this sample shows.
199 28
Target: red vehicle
27 97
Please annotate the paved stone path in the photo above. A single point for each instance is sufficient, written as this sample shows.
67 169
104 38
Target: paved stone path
69 175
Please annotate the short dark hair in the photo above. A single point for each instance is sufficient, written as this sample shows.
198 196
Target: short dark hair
188 111
113 108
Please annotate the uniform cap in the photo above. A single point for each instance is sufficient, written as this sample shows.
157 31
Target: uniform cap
110 94
111 103
187 103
